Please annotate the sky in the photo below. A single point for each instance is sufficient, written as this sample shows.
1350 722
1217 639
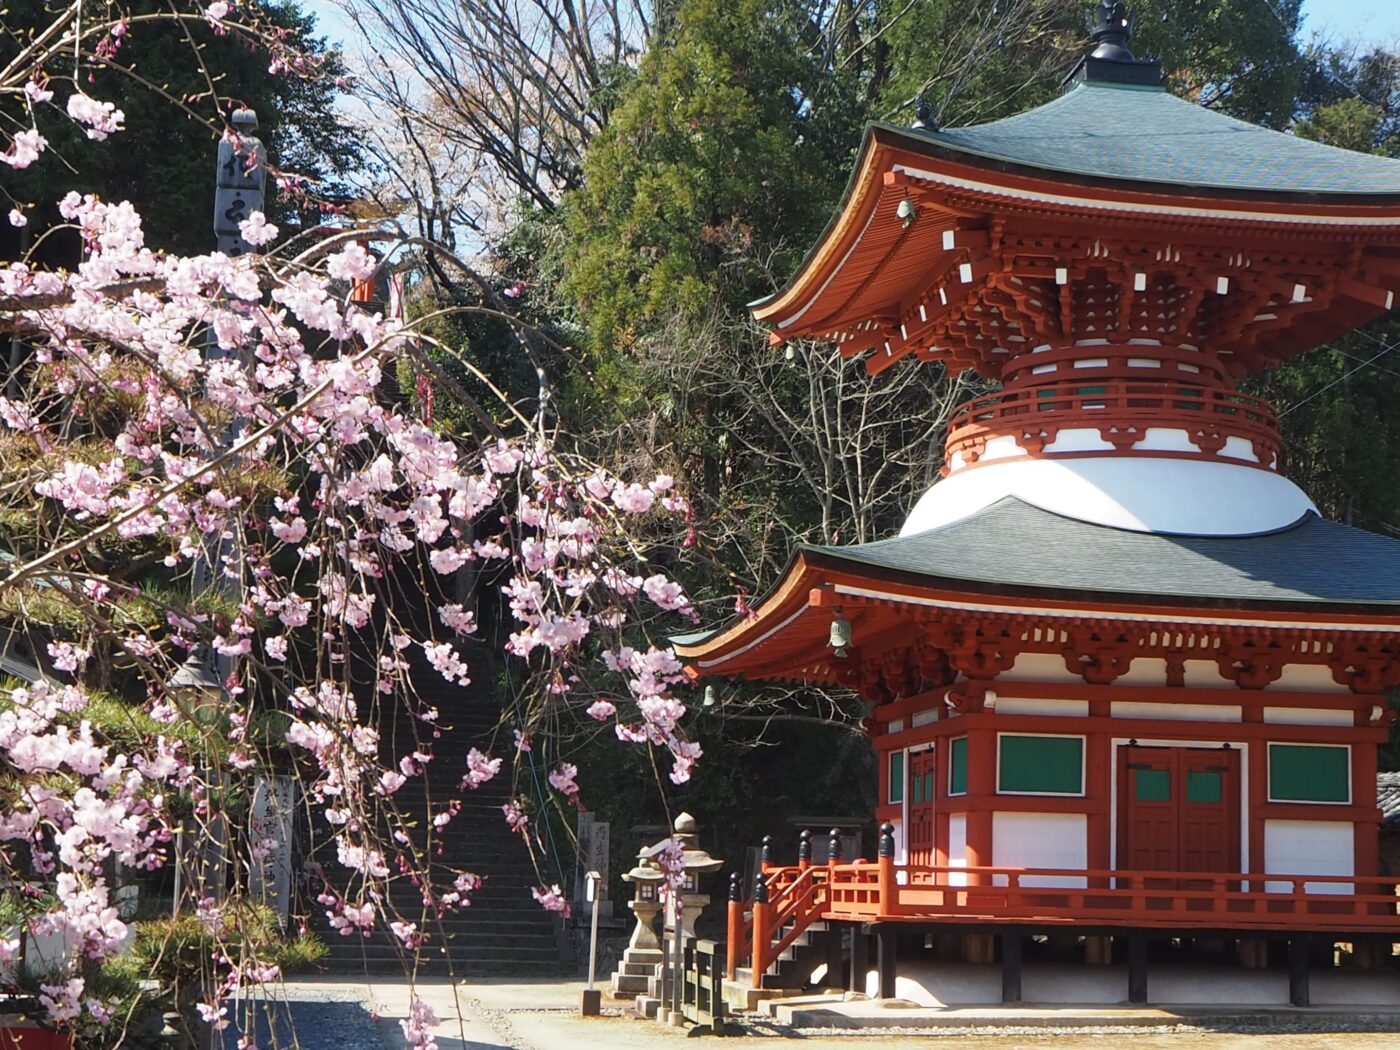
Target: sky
1371 21
1368 21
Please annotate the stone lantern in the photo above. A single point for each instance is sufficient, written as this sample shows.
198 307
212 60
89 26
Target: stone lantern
695 862
643 953
685 908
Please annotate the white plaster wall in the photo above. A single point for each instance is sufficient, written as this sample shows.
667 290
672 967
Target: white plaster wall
1239 448
1079 439
1144 670
1200 497
1041 840
1038 667
1203 674
1001 448
1028 706
1309 847
957 847
1308 716
1176 712
1166 439
1311 678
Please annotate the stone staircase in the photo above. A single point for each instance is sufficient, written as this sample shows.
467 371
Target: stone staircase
797 969
504 931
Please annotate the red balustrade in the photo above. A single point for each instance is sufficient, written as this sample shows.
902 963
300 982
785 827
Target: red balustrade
883 891
1121 411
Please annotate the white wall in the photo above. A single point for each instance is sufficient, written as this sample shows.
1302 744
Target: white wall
957 847
1309 847
1041 840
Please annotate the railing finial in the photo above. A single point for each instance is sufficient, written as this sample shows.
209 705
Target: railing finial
804 847
760 888
765 853
887 839
833 846
736 890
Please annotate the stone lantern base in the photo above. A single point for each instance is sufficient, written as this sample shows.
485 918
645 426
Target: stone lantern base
638 966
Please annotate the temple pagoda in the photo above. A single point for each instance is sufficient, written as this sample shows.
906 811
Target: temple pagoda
1124 676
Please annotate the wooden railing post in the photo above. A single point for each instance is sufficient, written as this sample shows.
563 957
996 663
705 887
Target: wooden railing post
804 850
833 858
761 918
887 888
735 931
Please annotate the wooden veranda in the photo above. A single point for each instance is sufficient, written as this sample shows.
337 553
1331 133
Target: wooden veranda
885 898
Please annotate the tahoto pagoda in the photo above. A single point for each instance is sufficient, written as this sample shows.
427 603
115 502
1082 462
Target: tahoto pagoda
1124 676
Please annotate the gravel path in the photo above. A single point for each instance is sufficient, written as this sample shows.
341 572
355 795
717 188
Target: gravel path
313 1019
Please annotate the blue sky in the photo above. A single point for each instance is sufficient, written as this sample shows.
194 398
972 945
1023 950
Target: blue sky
1368 21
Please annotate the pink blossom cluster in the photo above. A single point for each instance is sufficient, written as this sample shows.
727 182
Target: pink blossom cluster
190 343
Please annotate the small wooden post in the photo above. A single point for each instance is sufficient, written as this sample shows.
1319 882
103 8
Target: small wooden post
1011 942
735 929
887 939
1137 968
761 919
860 958
887 887
1298 992
804 849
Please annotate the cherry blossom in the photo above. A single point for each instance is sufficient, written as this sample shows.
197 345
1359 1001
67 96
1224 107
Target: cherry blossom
552 899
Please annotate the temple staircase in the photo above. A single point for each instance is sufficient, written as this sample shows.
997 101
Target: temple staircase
504 931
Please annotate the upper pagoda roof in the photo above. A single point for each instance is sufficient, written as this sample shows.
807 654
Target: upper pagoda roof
973 245
1139 133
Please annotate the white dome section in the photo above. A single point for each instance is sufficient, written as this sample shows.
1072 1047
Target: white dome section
1144 494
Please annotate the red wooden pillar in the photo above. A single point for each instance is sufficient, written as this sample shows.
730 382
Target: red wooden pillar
981 791
734 933
1098 786
885 878
1367 829
1258 796
762 920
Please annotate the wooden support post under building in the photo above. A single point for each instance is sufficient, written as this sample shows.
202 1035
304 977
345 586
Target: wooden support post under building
887 938
1298 993
835 956
860 958
1011 943
1137 968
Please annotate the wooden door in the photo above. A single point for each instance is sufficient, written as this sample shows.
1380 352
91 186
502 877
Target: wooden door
920 796
1148 826
1178 809
1210 809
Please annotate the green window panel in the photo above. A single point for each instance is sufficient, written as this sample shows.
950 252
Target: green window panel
928 787
918 789
1203 786
957 766
1052 765
1152 785
896 776
1309 773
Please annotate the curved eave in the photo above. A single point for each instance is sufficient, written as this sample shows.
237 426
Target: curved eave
890 157
785 638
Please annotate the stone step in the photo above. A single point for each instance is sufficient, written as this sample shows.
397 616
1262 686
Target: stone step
628 985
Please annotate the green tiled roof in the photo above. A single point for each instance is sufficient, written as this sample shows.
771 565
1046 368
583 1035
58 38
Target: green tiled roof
1145 134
